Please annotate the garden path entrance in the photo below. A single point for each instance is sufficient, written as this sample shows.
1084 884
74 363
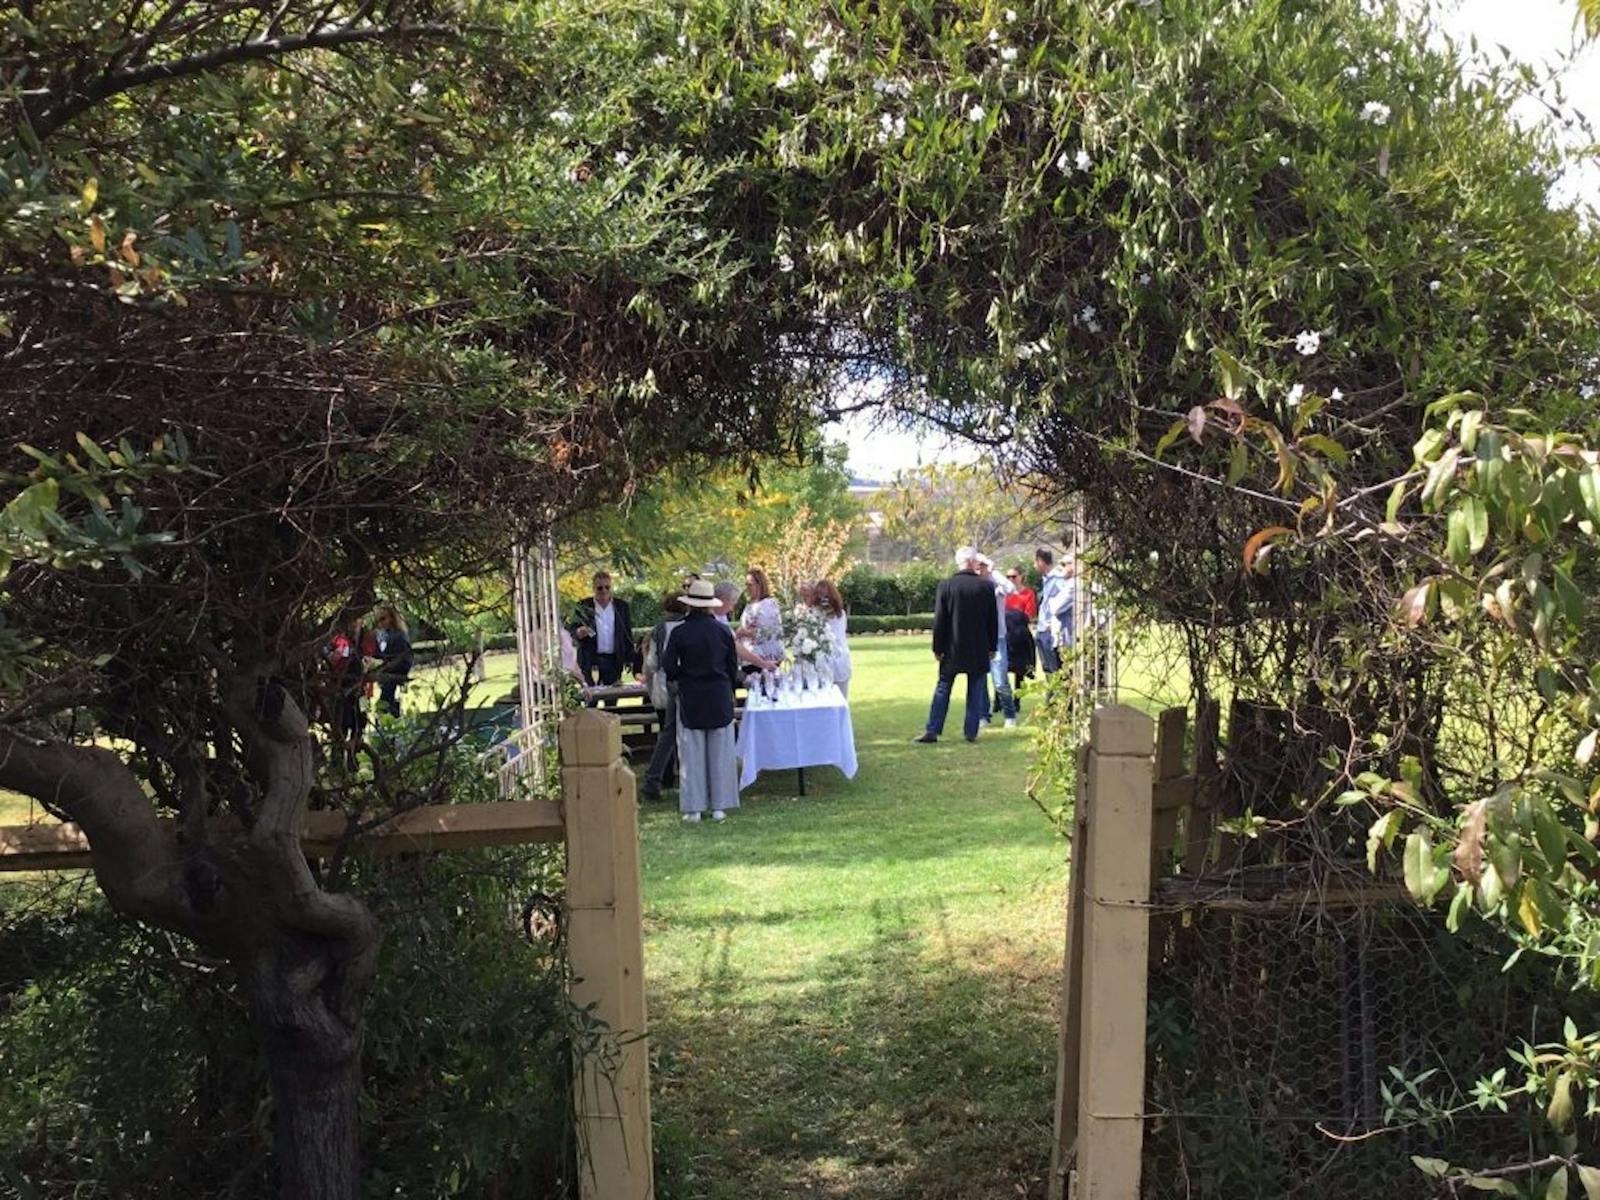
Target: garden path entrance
855 994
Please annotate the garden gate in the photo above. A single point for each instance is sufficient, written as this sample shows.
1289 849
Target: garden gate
1240 1026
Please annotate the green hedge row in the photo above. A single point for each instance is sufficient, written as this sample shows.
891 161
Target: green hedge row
866 623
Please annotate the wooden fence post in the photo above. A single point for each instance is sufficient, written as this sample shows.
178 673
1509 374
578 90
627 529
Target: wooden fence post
1100 1121
605 944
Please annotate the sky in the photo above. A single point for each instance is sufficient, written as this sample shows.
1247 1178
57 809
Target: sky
1539 32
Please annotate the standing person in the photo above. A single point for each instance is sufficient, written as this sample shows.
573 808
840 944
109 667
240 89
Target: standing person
663 697
1022 598
761 624
346 655
826 598
603 630
700 659
394 648
1019 652
966 626
1004 700
1053 596
727 594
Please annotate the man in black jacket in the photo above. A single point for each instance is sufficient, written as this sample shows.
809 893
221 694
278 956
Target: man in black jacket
966 628
603 633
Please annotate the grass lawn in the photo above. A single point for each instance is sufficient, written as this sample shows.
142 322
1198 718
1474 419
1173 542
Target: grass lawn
854 994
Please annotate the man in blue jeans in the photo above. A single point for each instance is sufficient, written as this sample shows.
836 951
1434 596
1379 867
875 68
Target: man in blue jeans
966 627
1004 698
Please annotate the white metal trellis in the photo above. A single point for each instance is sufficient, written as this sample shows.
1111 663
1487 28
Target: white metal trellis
1094 629
521 757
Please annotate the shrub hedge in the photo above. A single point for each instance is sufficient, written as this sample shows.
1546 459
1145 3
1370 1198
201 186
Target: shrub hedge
869 623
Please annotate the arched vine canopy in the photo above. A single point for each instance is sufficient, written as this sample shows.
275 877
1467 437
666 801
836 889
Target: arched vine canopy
1275 288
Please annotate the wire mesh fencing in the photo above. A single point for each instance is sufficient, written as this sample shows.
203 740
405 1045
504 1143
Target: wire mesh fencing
1301 1049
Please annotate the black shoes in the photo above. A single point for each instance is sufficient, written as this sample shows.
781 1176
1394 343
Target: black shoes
926 739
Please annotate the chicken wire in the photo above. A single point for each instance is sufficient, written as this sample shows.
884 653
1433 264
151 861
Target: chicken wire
1280 1038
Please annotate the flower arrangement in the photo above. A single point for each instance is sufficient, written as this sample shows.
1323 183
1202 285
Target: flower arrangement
809 640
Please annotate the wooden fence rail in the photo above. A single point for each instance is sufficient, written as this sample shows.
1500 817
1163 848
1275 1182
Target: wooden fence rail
598 817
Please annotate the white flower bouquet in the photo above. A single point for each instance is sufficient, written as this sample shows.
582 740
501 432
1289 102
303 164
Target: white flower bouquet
809 640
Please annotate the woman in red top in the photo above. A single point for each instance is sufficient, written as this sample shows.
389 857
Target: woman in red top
1023 599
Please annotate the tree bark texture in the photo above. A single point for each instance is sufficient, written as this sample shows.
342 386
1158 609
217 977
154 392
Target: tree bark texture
305 956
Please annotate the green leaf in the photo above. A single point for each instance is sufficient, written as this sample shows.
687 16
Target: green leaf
1381 836
1558 1186
1433 1168
1470 421
1238 462
1458 537
1231 372
1589 1177
1559 1114
1477 523
1327 447
28 508
1173 433
92 449
1423 877
1551 836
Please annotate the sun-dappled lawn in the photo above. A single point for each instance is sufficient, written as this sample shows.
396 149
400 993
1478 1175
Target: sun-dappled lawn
854 994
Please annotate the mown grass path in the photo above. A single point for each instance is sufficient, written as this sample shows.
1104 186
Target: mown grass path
854 994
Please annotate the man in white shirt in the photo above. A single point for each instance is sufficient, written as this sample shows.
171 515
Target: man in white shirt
603 631
999 670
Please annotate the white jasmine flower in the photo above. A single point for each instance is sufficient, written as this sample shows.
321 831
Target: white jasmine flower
785 263
1434 285
1588 391
1008 54
1308 342
994 35
890 125
418 88
622 157
561 117
1088 313
1283 160
659 61
1144 278
1376 112
1351 72
1296 394
819 65
1081 160
683 40
1337 394
1011 15
976 113
786 81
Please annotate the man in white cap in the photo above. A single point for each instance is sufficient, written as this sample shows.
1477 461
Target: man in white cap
999 668
700 658
966 626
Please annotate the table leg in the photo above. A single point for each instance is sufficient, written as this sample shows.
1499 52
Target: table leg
801 772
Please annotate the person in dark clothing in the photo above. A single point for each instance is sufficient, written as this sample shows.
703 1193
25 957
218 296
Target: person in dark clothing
1019 650
700 658
394 648
603 632
966 629
664 698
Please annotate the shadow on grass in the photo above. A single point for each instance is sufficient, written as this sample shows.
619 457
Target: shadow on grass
922 1066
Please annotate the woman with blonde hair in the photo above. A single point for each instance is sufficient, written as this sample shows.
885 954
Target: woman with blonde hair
826 599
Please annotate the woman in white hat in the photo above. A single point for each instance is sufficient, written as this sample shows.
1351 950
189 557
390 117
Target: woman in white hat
700 658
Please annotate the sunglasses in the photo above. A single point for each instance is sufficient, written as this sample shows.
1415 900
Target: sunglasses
602 587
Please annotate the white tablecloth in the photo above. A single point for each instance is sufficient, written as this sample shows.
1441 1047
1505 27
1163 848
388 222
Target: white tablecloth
814 733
